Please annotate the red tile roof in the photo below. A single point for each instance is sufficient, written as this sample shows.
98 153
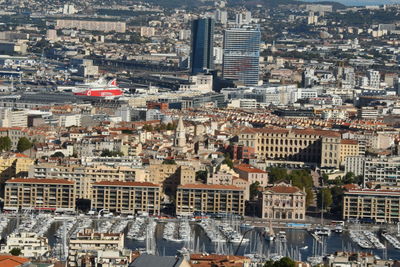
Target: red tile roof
210 187
281 189
12 261
310 131
39 181
248 168
349 142
130 184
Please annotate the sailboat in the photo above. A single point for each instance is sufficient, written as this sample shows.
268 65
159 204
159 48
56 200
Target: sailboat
269 232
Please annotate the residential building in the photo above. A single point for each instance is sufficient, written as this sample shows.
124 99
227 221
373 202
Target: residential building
383 171
348 147
202 45
377 205
31 245
90 242
91 25
214 199
282 202
241 55
14 165
13 117
126 197
252 174
39 194
374 78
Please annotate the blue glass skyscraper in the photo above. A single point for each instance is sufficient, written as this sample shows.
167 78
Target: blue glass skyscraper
242 55
202 45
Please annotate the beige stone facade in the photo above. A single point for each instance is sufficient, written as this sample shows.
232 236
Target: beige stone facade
375 205
204 198
127 197
39 194
308 145
283 202
348 147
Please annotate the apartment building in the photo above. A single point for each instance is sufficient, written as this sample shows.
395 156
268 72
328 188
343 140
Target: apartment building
252 174
282 202
14 165
126 197
308 145
89 242
169 176
348 147
39 194
85 176
381 206
31 245
91 25
384 171
226 199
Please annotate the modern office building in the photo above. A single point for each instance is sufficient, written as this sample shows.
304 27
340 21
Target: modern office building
242 55
202 45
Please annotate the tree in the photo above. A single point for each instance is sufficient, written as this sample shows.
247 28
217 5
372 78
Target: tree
337 198
325 178
324 198
23 144
58 154
254 189
108 153
309 197
5 143
228 160
201 176
349 178
15 251
284 262
169 162
148 128
275 174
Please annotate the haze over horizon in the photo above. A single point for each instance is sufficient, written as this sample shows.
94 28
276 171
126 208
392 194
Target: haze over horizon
362 2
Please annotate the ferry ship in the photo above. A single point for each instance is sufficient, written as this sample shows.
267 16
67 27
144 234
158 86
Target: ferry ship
99 88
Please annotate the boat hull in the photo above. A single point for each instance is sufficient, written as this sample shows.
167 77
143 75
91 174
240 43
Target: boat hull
100 93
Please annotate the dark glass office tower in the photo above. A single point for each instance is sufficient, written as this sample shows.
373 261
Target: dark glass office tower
202 45
241 55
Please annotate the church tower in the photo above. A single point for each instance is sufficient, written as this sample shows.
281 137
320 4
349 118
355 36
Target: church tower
180 134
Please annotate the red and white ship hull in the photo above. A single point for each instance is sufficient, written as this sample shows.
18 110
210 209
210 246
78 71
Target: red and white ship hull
99 89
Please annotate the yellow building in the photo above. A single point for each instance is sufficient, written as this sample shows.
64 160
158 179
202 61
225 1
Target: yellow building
205 198
127 197
308 145
39 194
14 165
348 147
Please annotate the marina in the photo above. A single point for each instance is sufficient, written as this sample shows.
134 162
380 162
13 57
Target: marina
166 237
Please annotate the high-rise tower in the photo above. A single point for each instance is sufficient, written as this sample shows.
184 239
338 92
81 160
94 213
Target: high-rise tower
242 55
202 45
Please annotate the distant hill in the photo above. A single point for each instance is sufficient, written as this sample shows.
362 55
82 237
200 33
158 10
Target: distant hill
247 3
